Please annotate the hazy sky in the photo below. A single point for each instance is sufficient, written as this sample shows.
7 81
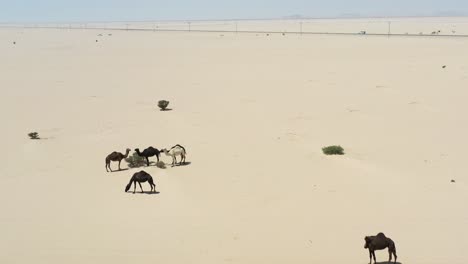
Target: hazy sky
108 10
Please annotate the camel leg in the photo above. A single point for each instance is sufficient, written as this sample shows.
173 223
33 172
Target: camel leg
394 255
389 255
157 157
140 187
119 164
373 254
147 161
106 168
370 256
183 156
152 185
134 186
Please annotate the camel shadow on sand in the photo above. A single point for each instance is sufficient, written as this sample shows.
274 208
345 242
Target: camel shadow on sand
187 163
169 165
386 262
125 169
144 192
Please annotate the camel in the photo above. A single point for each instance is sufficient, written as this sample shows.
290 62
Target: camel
141 176
176 150
115 156
380 242
149 152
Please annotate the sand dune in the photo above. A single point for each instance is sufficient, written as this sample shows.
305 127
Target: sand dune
253 113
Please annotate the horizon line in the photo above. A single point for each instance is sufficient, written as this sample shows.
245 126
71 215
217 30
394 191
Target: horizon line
291 17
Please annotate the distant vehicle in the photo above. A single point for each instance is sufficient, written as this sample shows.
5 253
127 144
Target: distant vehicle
362 32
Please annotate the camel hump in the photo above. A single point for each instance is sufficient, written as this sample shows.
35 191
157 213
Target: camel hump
178 146
110 156
382 235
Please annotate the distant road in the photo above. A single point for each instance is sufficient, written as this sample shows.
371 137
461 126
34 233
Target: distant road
234 31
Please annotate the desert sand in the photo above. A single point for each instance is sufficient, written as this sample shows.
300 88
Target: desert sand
253 112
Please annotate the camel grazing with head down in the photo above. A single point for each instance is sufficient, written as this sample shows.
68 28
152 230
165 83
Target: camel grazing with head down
149 152
379 242
141 176
176 150
115 156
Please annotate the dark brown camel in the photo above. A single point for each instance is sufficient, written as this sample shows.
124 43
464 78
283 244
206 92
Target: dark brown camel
149 152
140 177
379 242
115 156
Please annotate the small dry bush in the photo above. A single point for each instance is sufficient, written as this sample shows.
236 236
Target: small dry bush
135 161
163 104
34 135
161 164
333 150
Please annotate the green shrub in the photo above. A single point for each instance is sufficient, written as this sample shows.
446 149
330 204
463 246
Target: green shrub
34 135
333 150
163 104
135 161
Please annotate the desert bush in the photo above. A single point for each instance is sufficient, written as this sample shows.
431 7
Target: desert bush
160 164
163 104
333 150
135 161
34 135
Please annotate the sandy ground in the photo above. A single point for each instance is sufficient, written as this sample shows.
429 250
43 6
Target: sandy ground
253 113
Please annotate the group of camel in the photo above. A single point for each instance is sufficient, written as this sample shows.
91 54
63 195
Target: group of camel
143 176
372 243
173 152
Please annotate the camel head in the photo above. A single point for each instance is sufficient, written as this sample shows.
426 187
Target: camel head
137 150
164 150
368 241
128 187
128 150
